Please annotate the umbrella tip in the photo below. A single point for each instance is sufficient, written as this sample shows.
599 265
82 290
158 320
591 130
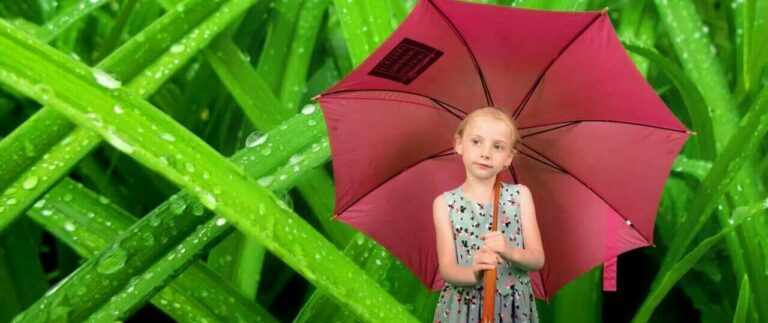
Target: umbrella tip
314 98
691 132
604 11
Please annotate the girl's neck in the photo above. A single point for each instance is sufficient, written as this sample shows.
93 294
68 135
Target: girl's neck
478 190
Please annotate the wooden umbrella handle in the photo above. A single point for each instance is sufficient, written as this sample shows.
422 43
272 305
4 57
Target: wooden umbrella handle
489 280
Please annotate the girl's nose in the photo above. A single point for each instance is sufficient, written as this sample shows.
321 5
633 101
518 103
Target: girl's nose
485 153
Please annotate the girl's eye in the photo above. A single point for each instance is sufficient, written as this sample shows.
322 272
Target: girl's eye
475 141
498 147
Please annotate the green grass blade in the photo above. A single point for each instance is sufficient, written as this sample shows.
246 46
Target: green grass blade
757 59
742 304
242 254
235 73
262 216
357 32
388 272
169 223
295 76
696 168
118 28
122 64
671 277
338 44
552 4
240 260
28 143
638 26
273 57
69 211
172 37
743 17
22 279
717 182
37 178
695 50
265 112
175 220
399 10
318 190
70 14
247 87
694 100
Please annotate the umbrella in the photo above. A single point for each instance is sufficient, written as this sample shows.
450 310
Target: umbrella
597 145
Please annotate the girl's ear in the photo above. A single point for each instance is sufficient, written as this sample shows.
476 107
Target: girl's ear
511 157
457 144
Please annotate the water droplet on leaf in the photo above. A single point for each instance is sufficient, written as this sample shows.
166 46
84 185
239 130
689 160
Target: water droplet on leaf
105 80
197 208
177 204
255 139
266 180
177 48
308 109
112 261
45 90
167 137
30 182
209 201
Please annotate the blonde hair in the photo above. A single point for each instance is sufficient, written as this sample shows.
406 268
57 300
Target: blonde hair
497 114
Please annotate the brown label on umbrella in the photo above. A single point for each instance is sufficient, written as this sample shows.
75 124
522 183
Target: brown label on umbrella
406 61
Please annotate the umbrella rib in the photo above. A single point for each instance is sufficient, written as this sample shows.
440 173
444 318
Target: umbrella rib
553 166
533 88
548 130
448 110
442 153
589 188
442 104
570 123
463 41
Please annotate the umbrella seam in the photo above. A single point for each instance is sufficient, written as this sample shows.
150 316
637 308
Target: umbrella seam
488 98
528 95
442 104
570 123
441 153
591 189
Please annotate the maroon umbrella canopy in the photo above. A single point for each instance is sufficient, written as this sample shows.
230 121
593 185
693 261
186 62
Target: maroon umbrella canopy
597 145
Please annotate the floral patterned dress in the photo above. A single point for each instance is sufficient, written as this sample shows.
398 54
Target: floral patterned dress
470 220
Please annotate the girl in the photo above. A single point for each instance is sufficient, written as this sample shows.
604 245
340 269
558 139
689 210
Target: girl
466 248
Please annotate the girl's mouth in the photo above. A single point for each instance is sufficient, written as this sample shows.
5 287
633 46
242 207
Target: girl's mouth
483 165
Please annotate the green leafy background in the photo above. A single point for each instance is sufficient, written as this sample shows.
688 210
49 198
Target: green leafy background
164 159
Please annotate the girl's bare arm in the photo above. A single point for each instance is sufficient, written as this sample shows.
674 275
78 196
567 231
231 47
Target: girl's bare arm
532 257
451 271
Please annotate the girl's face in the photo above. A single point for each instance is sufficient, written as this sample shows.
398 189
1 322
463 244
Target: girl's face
485 147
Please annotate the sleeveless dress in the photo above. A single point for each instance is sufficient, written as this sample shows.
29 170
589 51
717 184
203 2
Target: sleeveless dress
470 220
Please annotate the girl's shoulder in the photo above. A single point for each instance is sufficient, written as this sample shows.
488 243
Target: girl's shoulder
518 191
447 196
517 187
